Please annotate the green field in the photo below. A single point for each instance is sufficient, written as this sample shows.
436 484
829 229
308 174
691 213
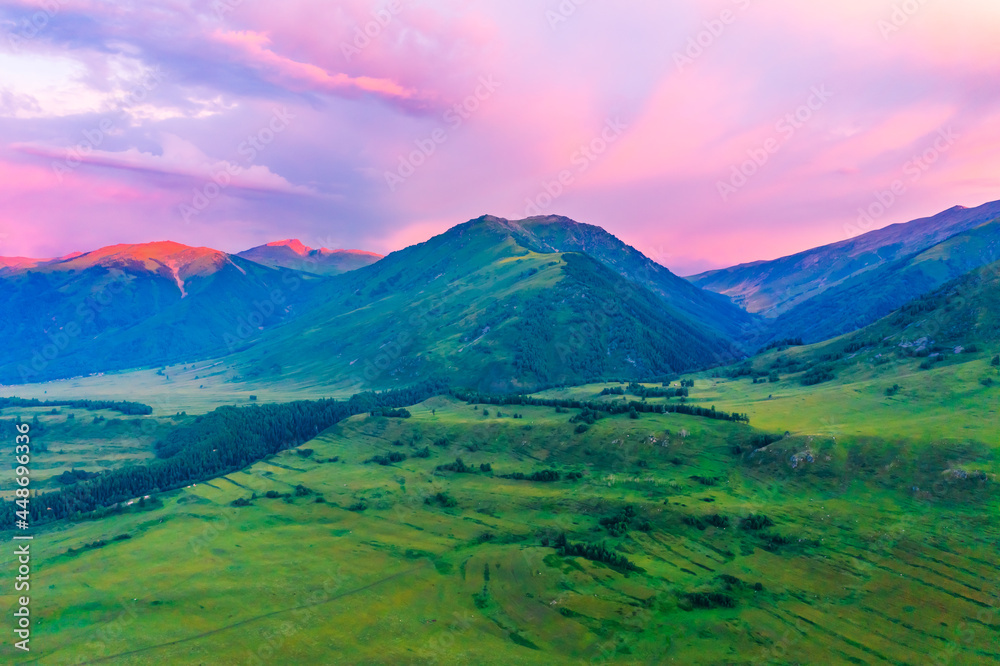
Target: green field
858 567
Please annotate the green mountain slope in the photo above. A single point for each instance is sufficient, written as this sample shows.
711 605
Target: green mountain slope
865 298
553 233
477 306
773 288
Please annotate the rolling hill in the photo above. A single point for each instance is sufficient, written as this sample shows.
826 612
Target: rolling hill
131 305
482 308
773 288
293 254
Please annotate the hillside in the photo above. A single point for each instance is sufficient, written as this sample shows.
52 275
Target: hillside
293 254
132 305
554 233
773 288
865 298
476 305
925 371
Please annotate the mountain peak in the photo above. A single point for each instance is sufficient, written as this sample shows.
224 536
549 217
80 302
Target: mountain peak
295 245
177 259
293 253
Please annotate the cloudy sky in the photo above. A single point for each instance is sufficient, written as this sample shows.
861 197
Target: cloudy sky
705 133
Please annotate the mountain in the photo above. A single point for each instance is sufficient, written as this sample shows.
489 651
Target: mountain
554 233
11 265
956 322
772 288
293 254
962 313
869 296
132 305
486 305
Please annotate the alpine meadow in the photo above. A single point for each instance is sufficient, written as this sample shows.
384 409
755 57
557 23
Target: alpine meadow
547 397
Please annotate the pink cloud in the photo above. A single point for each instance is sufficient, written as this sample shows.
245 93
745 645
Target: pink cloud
254 48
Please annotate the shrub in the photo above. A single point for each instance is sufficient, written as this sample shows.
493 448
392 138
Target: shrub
422 453
710 600
817 375
893 390
595 553
996 361
717 521
458 466
444 499
241 501
755 522
546 475
392 457
358 507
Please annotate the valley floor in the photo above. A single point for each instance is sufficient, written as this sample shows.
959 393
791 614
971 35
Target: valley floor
404 563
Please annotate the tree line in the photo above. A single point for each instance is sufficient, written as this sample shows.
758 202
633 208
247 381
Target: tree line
220 442
617 407
123 406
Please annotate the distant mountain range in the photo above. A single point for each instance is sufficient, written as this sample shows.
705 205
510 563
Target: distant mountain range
132 305
493 304
490 302
293 254
841 287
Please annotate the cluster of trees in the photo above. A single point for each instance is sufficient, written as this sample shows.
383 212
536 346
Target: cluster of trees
619 524
715 520
223 441
443 499
545 476
781 345
656 392
392 413
458 466
74 475
817 375
595 552
392 457
123 406
473 397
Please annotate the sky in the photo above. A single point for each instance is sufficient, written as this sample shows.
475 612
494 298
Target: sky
704 133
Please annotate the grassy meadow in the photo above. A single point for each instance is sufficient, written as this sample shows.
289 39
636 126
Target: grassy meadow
815 549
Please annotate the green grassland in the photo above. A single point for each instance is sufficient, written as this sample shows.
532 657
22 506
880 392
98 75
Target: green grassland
90 441
947 403
401 563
